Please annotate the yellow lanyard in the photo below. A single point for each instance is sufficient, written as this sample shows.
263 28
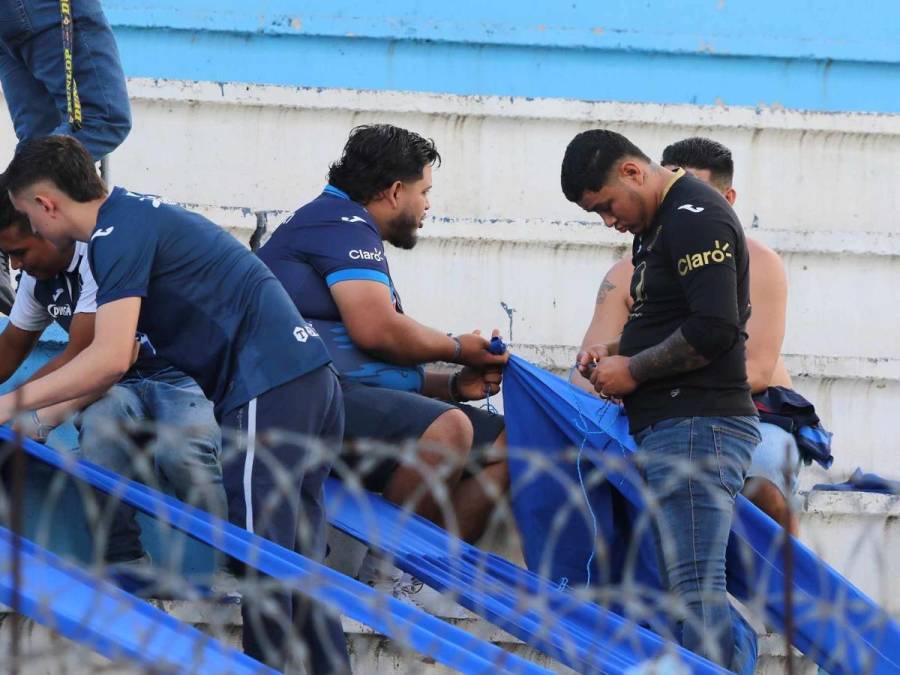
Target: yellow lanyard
73 103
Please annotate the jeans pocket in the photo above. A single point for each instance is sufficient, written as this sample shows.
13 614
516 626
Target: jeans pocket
734 451
15 23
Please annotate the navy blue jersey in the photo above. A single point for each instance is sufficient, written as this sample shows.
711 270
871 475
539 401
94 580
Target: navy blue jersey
73 291
329 240
210 307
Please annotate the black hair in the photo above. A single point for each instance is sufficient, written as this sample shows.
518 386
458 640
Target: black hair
9 217
378 155
62 160
702 153
589 159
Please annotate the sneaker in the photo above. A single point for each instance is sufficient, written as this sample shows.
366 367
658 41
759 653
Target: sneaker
415 592
390 580
225 588
134 576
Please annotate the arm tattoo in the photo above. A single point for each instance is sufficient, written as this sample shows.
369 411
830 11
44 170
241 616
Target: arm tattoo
604 290
671 356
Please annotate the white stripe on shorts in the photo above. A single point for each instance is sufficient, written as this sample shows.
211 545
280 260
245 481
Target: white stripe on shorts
248 463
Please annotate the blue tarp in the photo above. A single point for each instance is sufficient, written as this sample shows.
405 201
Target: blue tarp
863 482
108 620
582 635
407 625
835 624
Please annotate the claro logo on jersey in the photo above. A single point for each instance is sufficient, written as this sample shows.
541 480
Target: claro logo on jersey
360 254
695 261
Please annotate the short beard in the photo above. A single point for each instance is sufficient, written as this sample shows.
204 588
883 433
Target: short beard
403 231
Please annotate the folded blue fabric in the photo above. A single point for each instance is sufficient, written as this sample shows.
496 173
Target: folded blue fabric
863 482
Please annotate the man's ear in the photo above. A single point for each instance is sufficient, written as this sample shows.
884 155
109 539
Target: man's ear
392 194
730 195
631 172
45 202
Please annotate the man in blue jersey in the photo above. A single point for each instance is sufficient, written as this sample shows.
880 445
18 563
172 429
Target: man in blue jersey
330 257
213 310
184 441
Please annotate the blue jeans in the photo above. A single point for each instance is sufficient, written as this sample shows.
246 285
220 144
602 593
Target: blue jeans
157 428
694 468
33 73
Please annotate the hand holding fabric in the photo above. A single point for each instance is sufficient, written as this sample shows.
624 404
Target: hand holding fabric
612 378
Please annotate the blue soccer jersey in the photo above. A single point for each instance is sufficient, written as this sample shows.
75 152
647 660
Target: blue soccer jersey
210 307
329 240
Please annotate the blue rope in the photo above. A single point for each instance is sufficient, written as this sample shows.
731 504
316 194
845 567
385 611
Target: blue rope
497 346
580 424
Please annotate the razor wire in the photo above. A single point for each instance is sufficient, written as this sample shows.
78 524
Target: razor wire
173 579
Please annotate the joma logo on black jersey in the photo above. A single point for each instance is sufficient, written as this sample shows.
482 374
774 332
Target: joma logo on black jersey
694 261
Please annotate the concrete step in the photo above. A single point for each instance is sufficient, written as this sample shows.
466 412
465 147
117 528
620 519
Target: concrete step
44 652
270 146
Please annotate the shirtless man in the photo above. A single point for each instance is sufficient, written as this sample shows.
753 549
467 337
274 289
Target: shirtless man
711 162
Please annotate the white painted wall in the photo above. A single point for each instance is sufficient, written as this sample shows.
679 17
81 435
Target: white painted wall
820 188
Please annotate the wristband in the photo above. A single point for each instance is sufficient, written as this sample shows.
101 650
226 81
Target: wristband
453 388
29 424
457 350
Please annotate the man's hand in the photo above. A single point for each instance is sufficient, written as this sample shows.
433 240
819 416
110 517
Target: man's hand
29 425
612 378
588 358
473 384
475 351
92 371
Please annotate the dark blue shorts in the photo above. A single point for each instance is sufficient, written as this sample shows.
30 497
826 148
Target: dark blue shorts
256 461
395 417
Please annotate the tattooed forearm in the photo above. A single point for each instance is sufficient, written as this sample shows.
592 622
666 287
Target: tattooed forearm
671 356
605 287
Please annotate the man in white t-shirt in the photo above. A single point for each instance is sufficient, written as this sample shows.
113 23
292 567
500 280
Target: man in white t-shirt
156 416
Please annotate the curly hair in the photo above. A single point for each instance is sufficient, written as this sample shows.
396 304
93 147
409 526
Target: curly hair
378 155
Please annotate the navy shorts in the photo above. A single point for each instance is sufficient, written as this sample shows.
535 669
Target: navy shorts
274 487
395 417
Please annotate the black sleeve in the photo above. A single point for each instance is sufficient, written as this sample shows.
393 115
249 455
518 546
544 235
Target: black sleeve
702 247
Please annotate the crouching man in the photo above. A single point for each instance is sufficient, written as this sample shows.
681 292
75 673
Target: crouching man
153 401
210 308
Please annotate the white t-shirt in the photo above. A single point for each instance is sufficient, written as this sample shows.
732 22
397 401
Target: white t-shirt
72 291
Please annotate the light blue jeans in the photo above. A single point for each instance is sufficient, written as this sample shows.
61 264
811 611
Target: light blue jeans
157 428
777 447
32 72
694 468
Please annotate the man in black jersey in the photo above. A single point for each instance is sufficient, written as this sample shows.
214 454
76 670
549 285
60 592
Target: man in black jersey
679 367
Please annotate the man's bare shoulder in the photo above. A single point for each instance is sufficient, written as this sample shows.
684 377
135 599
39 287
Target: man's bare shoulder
763 259
616 281
621 271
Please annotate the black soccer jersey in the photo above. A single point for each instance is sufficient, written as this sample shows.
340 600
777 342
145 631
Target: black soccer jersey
691 271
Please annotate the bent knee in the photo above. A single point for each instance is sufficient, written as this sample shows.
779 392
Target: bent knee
451 429
766 496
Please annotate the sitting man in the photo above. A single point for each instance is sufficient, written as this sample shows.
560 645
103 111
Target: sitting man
711 162
330 257
57 285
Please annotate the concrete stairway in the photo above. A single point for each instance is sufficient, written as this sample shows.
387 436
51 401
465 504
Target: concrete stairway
856 532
